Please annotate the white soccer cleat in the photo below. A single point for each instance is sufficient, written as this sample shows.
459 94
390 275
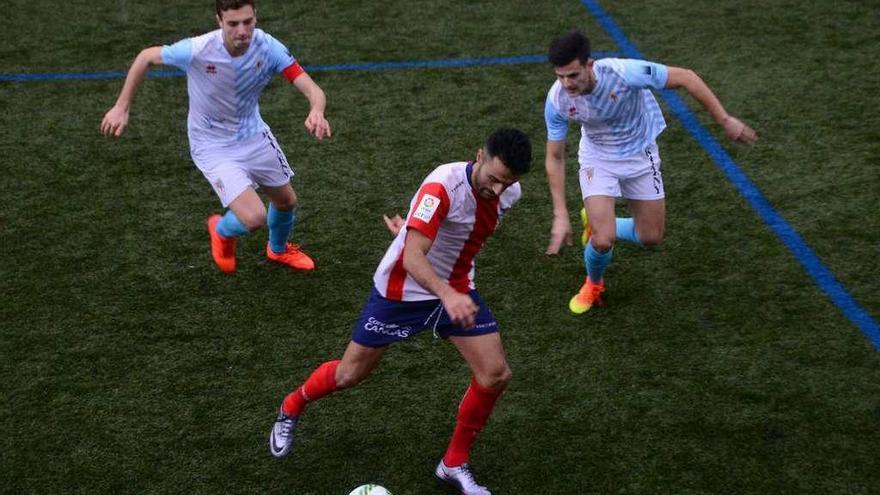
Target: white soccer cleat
461 478
281 438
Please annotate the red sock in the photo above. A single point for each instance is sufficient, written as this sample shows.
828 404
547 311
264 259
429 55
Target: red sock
321 382
473 412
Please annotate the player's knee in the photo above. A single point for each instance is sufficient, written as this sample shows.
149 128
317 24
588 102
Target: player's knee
602 243
349 378
253 220
286 204
496 378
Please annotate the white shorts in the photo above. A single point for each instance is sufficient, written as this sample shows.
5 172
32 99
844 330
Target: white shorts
231 169
634 177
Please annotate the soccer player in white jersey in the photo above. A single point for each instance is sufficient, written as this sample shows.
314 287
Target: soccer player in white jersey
235 150
426 281
620 120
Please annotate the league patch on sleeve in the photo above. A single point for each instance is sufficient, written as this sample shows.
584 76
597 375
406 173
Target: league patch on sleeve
648 70
426 208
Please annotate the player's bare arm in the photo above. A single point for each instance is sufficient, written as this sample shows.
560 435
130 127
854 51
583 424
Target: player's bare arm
316 124
734 128
116 119
460 307
554 163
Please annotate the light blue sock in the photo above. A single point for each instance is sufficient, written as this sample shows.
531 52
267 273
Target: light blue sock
231 226
626 230
596 262
280 226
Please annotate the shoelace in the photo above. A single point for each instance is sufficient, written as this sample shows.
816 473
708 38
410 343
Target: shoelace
286 426
587 291
290 249
466 472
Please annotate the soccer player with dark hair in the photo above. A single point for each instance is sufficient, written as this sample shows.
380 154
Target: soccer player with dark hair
426 281
620 120
226 71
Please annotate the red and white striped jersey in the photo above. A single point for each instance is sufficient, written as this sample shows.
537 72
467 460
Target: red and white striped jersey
449 211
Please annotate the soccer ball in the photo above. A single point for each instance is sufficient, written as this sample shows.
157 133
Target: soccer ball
370 490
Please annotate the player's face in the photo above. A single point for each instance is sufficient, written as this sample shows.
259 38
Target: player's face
491 177
238 28
576 77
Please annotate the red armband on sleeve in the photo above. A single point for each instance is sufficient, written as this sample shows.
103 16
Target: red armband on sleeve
293 71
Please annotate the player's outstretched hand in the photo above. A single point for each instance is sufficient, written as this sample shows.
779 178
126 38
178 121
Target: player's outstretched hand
738 131
460 307
318 125
115 121
560 233
394 224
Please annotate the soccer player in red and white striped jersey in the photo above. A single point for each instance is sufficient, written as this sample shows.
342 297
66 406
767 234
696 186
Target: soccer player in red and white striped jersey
426 281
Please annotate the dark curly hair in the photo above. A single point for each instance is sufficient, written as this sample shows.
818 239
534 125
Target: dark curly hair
513 147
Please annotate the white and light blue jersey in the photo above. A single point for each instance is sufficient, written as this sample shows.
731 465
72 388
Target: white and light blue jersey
619 118
223 90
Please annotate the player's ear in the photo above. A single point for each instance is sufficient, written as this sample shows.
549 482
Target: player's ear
219 20
480 154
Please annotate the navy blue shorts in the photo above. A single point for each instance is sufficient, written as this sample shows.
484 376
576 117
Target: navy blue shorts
383 321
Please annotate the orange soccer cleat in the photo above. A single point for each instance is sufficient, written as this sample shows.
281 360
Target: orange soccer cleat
590 295
222 248
292 257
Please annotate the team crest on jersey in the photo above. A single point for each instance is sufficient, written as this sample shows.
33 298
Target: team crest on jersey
426 208
211 69
572 112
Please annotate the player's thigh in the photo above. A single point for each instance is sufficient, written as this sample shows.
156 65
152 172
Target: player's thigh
357 363
600 210
642 177
266 162
650 219
227 176
249 209
486 357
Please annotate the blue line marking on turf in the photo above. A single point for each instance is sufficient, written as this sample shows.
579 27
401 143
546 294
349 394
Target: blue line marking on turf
786 233
366 66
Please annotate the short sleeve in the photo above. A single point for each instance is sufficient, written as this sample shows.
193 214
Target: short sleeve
278 54
429 209
557 125
179 54
643 74
282 61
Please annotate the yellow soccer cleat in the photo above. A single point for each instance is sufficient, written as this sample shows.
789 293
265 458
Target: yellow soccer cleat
585 235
